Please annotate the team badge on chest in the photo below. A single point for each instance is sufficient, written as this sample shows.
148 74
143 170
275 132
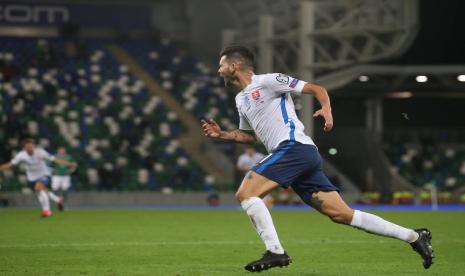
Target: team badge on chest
256 95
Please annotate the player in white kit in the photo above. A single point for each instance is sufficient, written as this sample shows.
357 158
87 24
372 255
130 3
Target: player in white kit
248 159
267 114
38 174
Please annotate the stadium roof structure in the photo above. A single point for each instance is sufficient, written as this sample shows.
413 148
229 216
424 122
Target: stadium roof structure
366 47
400 81
338 33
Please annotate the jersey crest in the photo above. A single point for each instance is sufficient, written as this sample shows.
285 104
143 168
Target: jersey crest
256 95
282 78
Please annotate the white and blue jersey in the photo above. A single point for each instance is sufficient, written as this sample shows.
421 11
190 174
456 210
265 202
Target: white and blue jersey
36 168
266 107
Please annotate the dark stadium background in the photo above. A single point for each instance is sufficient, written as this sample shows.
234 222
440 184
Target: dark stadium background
430 120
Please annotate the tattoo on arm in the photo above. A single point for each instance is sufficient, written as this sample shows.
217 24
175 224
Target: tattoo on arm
242 136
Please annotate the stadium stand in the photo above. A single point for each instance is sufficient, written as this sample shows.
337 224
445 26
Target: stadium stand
64 92
428 157
199 89
77 94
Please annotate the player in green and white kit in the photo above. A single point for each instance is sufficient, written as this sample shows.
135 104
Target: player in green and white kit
61 178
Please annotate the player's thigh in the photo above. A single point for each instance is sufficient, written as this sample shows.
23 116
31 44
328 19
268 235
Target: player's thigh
332 205
39 186
254 184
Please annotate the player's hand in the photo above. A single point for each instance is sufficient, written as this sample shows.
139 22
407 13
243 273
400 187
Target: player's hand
211 128
326 114
74 165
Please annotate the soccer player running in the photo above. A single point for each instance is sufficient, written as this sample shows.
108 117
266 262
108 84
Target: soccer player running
38 174
61 177
267 114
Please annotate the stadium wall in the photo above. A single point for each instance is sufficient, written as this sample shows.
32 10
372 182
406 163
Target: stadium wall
132 199
122 199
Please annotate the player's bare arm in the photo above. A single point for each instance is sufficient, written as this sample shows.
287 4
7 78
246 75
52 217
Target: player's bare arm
65 163
321 95
239 136
213 130
6 166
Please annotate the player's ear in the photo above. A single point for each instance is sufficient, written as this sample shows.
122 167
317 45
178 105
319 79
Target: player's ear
234 67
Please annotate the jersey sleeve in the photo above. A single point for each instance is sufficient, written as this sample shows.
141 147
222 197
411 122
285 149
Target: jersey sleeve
17 159
280 83
243 123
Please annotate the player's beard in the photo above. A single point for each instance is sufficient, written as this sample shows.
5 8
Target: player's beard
229 80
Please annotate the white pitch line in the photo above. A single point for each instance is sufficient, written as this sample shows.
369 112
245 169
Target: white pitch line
188 243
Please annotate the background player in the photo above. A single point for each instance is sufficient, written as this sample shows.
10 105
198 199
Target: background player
37 172
245 163
248 159
267 113
61 174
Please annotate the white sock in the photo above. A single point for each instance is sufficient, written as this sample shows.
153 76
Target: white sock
376 225
44 201
53 196
261 219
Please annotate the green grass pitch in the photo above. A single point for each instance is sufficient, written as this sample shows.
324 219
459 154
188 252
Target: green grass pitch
214 242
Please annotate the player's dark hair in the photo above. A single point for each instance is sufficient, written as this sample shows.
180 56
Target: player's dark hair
240 55
27 141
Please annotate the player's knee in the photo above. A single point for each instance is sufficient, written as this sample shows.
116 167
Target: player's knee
39 186
342 217
240 196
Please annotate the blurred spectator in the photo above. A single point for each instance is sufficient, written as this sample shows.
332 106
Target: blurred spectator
110 179
7 70
71 50
248 159
213 199
44 54
75 50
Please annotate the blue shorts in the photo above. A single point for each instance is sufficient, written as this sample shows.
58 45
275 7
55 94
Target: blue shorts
298 166
46 179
